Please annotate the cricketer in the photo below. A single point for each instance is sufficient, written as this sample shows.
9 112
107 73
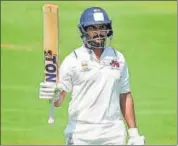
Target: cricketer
97 77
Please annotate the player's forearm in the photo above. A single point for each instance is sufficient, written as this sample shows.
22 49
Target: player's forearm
58 102
127 108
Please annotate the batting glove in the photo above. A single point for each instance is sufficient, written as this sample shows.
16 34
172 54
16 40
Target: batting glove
49 90
135 138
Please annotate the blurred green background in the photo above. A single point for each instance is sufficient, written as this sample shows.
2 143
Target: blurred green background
145 32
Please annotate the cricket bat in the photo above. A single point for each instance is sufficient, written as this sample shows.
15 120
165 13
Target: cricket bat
51 48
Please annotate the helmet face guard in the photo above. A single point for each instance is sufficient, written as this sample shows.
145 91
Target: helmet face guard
97 38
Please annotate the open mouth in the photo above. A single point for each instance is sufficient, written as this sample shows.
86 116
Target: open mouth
99 39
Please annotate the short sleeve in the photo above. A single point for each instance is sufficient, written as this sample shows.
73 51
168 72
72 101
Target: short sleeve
65 74
125 82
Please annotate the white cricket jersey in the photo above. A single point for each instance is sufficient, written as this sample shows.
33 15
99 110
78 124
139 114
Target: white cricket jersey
95 85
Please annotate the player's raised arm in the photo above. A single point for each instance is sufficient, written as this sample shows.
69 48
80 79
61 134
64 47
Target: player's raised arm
57 91
59 101
53 92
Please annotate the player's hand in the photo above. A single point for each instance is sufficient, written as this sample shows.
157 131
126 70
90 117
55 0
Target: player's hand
49 90
135 138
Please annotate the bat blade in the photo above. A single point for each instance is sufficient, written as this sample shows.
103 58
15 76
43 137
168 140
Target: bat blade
51 48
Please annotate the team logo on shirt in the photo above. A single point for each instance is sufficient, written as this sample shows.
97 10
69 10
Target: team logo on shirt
115 64
84 66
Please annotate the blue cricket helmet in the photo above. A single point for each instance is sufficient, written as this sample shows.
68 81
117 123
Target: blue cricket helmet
94 16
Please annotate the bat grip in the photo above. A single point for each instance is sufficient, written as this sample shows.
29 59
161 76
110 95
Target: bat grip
51 110
51 114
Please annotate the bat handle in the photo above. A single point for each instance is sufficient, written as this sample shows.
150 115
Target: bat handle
51 110
51 114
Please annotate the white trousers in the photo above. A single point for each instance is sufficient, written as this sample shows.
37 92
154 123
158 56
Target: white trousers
97 134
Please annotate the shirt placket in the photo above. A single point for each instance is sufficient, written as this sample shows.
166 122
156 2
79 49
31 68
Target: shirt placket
96 61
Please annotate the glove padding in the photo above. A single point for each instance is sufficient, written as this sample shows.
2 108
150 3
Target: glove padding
49 90
135 138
